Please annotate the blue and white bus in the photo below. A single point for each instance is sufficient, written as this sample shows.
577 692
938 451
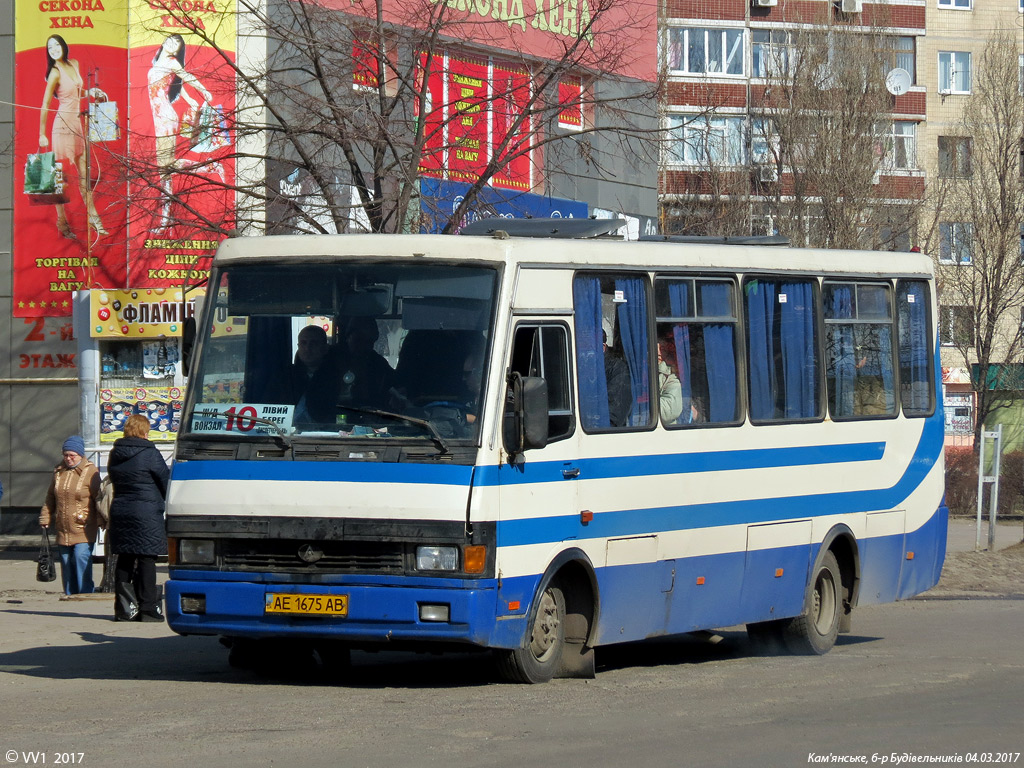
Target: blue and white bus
541 445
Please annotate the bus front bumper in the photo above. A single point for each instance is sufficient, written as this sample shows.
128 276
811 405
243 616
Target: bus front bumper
376 613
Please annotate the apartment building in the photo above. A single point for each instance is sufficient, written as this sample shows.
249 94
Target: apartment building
725 62
949 63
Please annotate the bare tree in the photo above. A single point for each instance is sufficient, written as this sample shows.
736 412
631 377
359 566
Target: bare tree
344 101
977 229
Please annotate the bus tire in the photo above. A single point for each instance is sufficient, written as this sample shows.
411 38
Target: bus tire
814 632
541 655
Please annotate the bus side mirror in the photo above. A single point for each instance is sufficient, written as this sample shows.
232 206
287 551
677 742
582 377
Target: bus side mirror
188 341
526 415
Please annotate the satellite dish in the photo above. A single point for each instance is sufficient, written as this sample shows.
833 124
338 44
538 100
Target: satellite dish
897 82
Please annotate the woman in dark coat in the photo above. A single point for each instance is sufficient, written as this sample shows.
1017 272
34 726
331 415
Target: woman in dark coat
137 535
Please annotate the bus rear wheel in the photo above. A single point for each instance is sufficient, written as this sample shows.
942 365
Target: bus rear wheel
815 631
539 659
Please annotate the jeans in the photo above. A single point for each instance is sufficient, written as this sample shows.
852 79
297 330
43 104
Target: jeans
76 568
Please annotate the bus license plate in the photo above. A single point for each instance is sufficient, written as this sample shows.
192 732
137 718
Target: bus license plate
308 605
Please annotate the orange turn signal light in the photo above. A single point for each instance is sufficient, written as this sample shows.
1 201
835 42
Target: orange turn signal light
172 551
778 572
475 558
910 555
700 581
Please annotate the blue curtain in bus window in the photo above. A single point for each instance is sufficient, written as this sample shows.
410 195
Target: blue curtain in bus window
679 306
586 294
841 370
783 376
632 315
760 320
798 351
719 352
915 378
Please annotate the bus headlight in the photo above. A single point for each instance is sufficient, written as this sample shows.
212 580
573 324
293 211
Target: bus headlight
437 558
195 552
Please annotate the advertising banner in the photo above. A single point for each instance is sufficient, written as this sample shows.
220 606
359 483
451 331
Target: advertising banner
512 90
472 106
182 84
95 207
594 32
140 313
439 199
70 91
161 405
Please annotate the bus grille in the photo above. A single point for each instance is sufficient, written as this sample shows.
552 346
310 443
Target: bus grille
337 557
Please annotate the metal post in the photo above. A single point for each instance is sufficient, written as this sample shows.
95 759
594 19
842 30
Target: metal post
989 479
981 487
994 509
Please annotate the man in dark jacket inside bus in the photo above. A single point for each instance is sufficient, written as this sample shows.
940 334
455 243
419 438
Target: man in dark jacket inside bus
137 534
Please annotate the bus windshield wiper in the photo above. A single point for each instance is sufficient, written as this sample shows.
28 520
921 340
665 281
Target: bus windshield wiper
279 434
434 434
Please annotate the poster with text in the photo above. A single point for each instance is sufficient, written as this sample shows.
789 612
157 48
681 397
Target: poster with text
70 85
182 84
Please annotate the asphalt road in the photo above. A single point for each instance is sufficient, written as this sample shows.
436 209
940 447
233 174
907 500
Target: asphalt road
928 677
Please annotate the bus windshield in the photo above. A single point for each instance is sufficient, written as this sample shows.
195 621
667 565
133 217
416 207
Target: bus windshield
342 351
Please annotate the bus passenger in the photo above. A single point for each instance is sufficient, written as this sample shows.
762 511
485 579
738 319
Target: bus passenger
314 378
670 391
365 375
620 390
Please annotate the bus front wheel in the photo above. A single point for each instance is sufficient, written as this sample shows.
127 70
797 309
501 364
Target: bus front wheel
539 659
815 631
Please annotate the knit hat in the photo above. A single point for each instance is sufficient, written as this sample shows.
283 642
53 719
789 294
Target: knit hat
74 443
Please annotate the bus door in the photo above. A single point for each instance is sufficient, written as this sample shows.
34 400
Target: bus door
539 494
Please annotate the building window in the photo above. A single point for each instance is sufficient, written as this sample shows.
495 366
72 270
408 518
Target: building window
901 145
955 242
906 55
954 72
960 5
773 53
955 157
956 326
900 52
695 50
764 141
706 140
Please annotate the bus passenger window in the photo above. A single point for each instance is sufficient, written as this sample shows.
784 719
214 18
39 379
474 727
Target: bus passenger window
782 339
612 351
697 347
543 350
859 371
917 386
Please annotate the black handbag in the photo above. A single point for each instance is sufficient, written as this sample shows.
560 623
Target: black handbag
45 569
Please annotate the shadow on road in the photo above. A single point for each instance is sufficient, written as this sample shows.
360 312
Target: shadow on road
99 655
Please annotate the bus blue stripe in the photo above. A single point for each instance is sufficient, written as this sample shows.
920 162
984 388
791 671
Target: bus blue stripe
691 516
532 472
607 468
